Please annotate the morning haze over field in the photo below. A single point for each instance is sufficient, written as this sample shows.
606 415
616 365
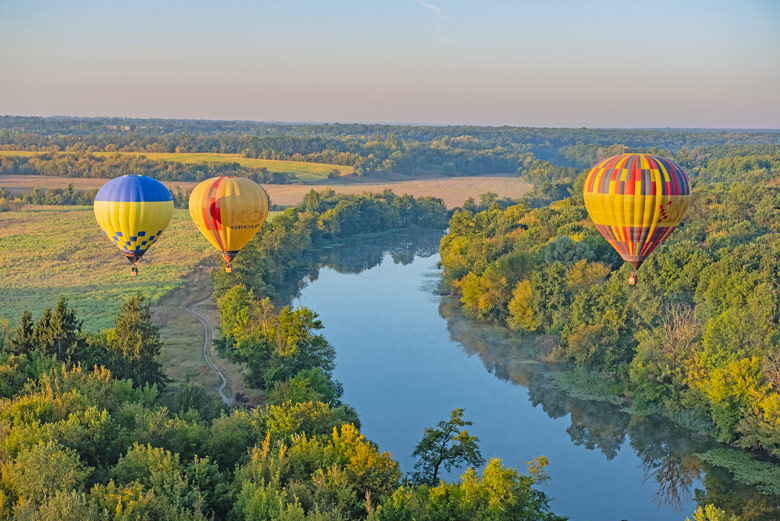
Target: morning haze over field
390 260
572 63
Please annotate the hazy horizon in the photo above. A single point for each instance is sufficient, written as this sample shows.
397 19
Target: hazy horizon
560 64
380 123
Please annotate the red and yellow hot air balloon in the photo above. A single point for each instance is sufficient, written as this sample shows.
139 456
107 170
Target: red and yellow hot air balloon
228 211
636 201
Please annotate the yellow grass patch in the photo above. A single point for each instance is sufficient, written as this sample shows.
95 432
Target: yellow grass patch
453 190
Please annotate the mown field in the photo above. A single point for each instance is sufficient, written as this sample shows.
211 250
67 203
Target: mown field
453 190
302 170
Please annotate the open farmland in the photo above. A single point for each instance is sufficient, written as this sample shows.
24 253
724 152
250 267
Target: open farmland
302 170
453 190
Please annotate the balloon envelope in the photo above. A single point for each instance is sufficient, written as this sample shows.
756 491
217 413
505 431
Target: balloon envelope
228 211
133 211
636 201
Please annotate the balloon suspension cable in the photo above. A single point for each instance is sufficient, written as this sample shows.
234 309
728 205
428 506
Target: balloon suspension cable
632 278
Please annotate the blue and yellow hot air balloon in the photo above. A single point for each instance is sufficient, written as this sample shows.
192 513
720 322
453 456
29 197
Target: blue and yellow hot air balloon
133 211
636 201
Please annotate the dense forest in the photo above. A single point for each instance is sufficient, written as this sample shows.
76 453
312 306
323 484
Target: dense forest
696 338
372 150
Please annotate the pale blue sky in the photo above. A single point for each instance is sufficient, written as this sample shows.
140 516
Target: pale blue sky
601 63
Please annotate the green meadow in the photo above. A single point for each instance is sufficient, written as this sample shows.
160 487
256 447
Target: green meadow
49 251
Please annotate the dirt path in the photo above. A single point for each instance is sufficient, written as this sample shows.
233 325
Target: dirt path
208 353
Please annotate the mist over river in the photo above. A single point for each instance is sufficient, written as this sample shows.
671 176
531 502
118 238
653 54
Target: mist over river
407 357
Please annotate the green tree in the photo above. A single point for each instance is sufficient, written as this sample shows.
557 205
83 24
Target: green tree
23 341
57 332
295 346
193 397
565 250
134 343
499 494
309 385
446 446
65 330
234 308
39 471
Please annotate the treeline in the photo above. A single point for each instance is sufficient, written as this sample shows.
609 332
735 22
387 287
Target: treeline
71 197
129 350
370 149
52 196
64 132
696 338
711 164
83 164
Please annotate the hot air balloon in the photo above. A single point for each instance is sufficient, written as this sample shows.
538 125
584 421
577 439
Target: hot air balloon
133 211
228 211
636 201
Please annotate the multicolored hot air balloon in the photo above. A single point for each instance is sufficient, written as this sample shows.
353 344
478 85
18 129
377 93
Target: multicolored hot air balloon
228 211
636 201
133 211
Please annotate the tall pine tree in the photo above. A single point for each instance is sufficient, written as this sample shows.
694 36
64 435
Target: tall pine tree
22 342
134 343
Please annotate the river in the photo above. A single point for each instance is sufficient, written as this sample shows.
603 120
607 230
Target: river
407 357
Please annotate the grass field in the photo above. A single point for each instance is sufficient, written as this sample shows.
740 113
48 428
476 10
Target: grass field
301 170
52 251
47 251
453 190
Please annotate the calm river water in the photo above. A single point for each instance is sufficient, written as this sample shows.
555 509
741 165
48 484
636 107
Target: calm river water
407 357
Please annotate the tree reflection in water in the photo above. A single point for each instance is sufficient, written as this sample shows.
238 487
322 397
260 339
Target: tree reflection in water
356 257
667 457
665 450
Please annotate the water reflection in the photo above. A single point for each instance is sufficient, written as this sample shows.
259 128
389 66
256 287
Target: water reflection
352 258
665 452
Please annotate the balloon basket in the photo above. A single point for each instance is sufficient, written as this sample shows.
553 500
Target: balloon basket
229 268
133 271
632 279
